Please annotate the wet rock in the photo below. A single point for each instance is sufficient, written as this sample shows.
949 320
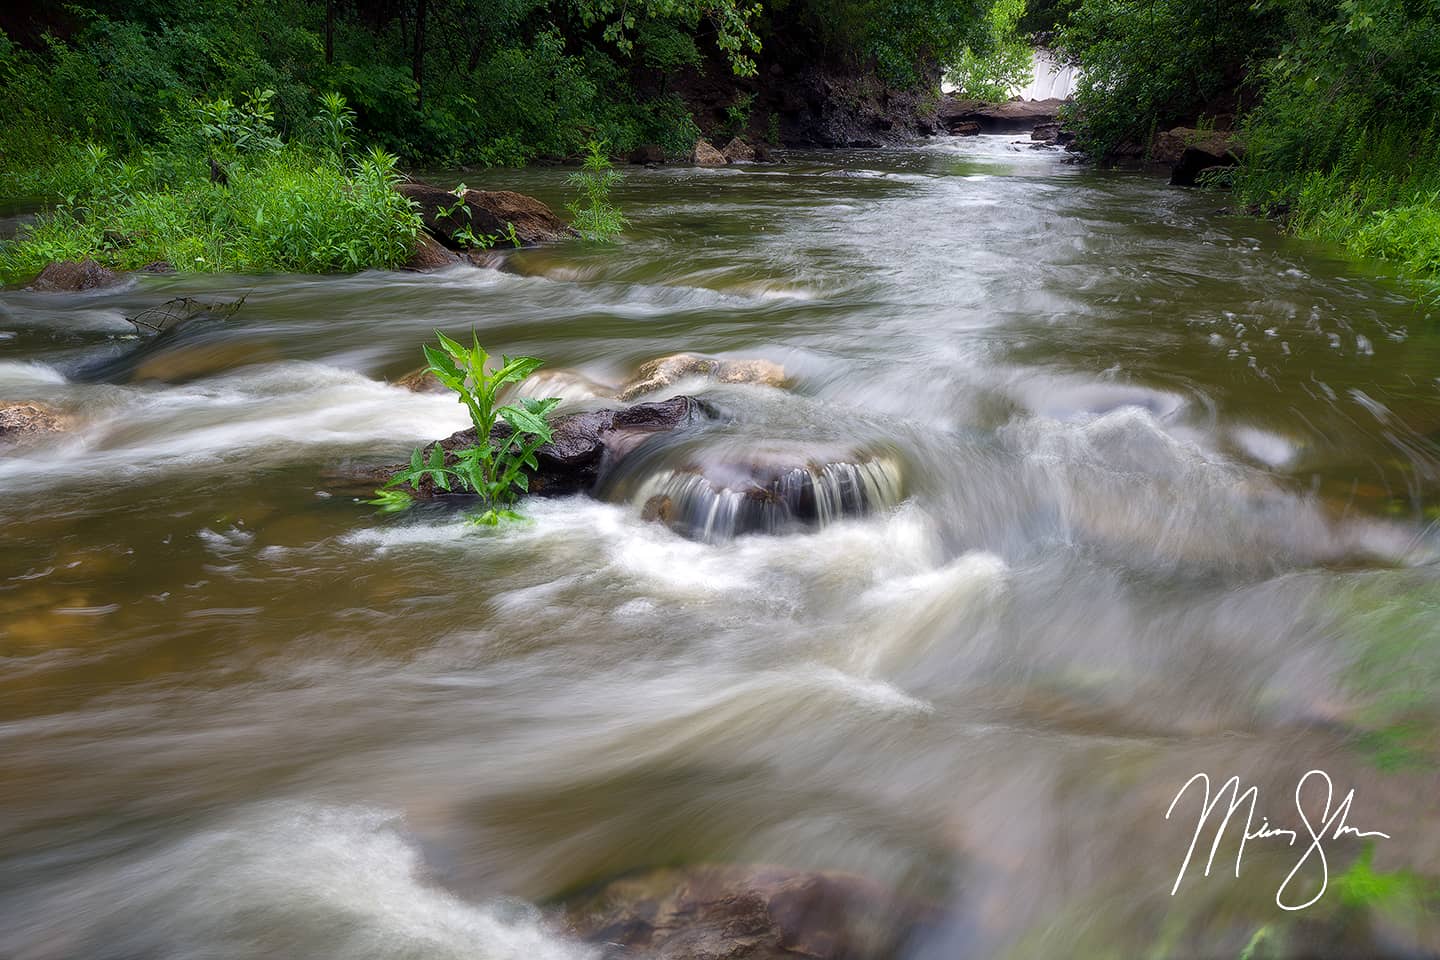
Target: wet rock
1189 151
738 151
583 444
771 492
705 155
1048 132
430 254
1014 116
727 912
421 381
965 128
157 267
191 361
70 277
647 154
491 211
23 420
665 371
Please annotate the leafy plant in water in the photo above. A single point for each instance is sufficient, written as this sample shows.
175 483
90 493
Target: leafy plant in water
596 216
493 468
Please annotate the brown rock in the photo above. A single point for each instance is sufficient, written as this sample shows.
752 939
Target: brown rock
23 420
648 153
430 254
421 381
665 371
726 912
705 155
582 444
1014 116
965 128
491 212
1189 151
1048 132
738 151
69 277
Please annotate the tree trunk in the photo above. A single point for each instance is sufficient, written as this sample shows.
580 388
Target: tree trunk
418 68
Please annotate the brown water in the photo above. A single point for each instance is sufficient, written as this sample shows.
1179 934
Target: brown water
1162 467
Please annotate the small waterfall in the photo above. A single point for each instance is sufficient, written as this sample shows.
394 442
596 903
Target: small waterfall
696 506
1049 78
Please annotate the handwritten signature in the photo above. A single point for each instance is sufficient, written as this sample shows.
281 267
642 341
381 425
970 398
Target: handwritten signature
1331 826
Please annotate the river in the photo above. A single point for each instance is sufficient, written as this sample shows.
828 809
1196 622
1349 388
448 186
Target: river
1168 478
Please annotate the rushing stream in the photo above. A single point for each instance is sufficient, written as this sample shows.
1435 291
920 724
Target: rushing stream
1156 472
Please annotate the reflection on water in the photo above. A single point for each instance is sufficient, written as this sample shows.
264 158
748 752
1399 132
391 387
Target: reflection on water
1156 469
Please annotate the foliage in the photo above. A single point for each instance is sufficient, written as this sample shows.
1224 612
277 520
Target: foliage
992 75
596 216
1146 67
493 468
335 124
282 207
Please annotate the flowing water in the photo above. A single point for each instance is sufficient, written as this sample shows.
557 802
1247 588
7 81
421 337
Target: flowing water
1153 477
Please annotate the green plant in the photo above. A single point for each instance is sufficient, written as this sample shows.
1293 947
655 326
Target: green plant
493 467
737 115
336 124
596 216
999 65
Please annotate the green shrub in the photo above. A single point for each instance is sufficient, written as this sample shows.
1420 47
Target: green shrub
492 468
596 216
1005 61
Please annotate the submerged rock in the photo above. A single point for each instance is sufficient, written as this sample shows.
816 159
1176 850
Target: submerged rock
738 151
726 912
666 371
70 277
647 154
705 155
490 213
769 494
22 420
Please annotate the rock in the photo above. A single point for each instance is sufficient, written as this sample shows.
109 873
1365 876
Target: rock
705 155
665 371
421 381
762 154
647 154
157 267
490 213
67 276
1188 151
1049 132
430 254
23 420
583 444
738 151
965 128
727 912
1015 116
769 491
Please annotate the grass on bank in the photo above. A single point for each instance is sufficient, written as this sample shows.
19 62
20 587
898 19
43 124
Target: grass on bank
223 193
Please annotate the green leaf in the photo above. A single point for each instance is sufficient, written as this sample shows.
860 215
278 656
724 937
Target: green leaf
524 421
515 369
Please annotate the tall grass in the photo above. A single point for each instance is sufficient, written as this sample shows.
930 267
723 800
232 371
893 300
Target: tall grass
293 208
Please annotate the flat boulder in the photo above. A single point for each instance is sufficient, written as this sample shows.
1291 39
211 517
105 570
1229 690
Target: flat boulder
68 276
727 912
738 151
705 155
430 254
1013 116
664 371
24 420
491 212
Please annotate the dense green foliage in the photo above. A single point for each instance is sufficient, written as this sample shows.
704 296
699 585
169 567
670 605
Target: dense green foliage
264 205
1003 61
1336 101
492 468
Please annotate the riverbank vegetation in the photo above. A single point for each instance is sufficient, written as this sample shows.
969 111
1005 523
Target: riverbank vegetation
1335 103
